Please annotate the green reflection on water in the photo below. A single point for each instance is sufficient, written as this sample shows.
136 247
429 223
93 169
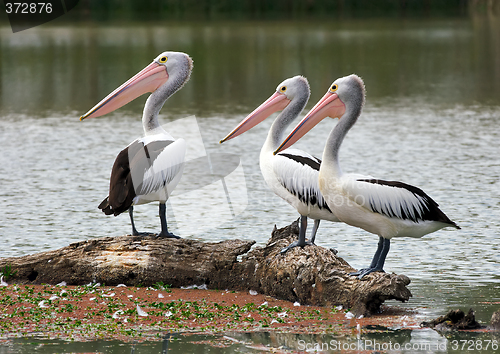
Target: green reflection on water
384 340
69 69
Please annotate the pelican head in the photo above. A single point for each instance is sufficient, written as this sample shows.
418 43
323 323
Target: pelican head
294 87
288 90
165 67
348 91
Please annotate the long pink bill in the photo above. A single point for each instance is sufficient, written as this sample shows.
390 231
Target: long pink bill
147 80
276 102
329 105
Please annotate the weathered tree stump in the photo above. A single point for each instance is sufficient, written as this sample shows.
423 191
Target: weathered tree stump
454 320
314 275
311 275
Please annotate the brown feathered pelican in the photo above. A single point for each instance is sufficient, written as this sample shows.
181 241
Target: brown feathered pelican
149 168
385 208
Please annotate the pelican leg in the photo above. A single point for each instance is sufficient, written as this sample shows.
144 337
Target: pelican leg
314 230
163 219
378 260
376 256
302 236
383 255
134 230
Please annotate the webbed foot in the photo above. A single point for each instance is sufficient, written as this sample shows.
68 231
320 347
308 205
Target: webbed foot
167 235
296 244
362 272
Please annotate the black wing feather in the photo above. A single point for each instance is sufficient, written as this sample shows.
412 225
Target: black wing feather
121 187
430 209
307 196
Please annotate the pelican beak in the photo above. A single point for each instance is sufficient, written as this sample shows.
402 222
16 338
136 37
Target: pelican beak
329 105
147 80
276 102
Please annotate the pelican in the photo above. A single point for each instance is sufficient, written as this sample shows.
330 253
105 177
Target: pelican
292 174
150 167
385 208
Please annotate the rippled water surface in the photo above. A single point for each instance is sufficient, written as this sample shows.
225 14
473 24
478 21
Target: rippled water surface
431 119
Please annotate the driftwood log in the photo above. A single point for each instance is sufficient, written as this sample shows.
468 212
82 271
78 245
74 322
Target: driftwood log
454 320
311 275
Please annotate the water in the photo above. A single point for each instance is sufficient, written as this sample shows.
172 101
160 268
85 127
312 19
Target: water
431 120
398 341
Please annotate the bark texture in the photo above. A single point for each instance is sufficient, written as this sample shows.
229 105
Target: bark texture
311 275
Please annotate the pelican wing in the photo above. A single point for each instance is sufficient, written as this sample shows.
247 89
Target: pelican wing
394 199
158 165
297 171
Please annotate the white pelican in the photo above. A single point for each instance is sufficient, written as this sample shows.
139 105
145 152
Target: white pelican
292 174
149 168
385 208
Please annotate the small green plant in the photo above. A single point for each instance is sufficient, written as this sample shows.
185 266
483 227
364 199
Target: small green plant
7 272
162 286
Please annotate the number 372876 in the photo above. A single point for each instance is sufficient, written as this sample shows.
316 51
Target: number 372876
474 345
28 8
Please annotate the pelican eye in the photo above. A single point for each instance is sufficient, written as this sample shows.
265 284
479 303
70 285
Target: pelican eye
163 60
334 87
282 88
